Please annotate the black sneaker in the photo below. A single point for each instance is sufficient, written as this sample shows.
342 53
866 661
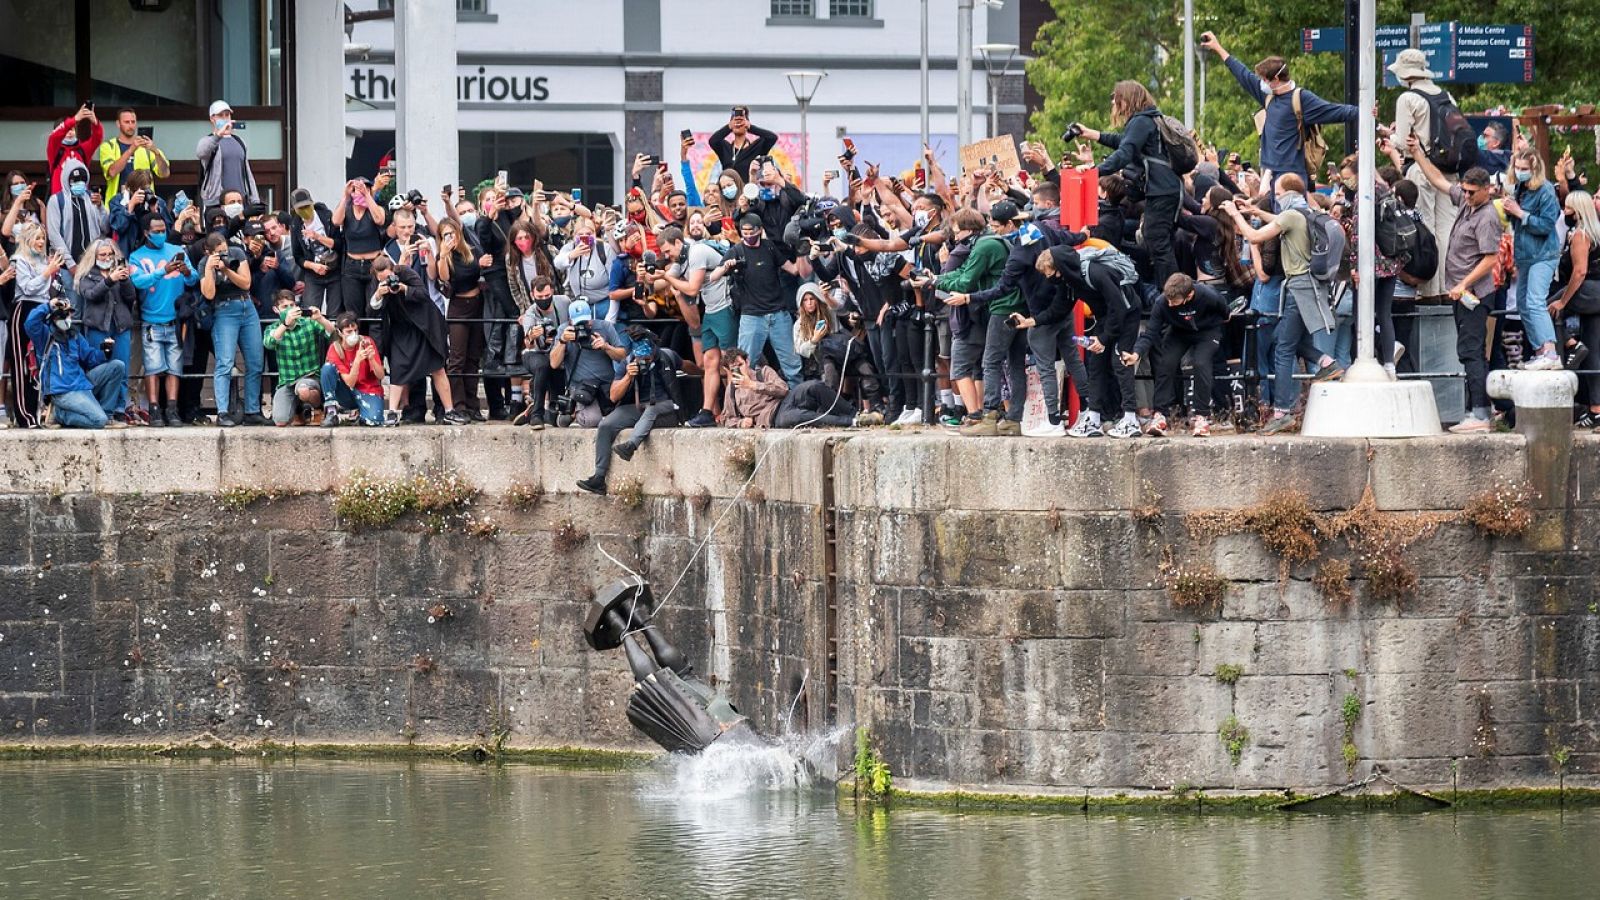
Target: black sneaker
593 484
702 419
254 420
1586 419
171 415
1575 356
456 417
157 420
624 449
226 421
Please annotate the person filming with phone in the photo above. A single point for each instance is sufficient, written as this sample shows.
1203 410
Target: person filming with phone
739 143
132 149
224 159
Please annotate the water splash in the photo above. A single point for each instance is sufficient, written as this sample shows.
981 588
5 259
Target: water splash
729 768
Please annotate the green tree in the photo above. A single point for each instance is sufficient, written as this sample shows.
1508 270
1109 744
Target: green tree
1091 46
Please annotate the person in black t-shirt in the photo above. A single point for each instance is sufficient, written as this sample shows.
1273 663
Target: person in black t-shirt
766 311
1188 319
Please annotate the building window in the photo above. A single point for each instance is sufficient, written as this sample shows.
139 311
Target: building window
470 7
850 9
791 9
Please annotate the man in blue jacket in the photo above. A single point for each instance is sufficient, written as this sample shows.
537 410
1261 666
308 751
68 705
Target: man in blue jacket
1283 133
81 385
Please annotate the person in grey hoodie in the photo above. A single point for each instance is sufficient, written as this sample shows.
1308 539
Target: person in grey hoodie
75 221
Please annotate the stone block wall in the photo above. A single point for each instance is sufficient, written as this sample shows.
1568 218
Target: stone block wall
1002 619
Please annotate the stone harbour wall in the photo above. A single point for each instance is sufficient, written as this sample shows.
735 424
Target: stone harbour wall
995 612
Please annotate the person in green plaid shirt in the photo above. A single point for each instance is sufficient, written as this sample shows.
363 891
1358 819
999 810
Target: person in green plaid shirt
296 338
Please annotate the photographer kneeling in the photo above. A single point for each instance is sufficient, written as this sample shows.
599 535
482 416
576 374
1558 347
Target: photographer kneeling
588 352
644 396
81 385
295 337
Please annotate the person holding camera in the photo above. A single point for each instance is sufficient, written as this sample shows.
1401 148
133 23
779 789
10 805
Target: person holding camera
162 275
110 305
272 269
585 261
591 353
414 339
129 208
542 322
296 338
1187 320
689 274
352 376
317 245
235 329
83 388
1140 153
644 397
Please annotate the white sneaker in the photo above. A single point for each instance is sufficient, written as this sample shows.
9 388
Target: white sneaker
1125 428
1399 351
1544 362
1046 431
909 417
1471 425
1086 427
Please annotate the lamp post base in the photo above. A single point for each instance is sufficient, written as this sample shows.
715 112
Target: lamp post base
1371 409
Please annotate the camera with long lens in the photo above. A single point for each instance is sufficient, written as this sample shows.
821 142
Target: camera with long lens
415 198
1073 132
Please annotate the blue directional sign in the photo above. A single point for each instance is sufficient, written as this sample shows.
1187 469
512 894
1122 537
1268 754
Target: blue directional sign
1494 54
1465 54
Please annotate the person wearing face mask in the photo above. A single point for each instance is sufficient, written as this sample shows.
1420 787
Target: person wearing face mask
318 247
82 388
224 160
1385 268
1494 149
1305 329
1533 211
162 275
294 336
352 376
765 311
585 262
730 198
130 206
541 322
21 205
500 212
38 276
109 305
76 139
75 221
236 329
1289 113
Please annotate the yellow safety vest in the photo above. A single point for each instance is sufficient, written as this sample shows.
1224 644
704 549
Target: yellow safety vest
110 151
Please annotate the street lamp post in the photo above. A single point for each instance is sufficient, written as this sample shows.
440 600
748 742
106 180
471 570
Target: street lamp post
991 52
924 73
804 85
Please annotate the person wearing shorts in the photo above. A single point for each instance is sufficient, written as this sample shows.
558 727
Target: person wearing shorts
692 278
161 273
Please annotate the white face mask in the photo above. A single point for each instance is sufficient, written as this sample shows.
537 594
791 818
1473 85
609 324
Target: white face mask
350 340
105 264
233 210
64 324
921 218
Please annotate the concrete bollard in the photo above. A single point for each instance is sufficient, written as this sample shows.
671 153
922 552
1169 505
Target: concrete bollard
1544 419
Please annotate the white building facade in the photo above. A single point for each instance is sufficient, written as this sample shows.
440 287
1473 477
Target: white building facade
566 93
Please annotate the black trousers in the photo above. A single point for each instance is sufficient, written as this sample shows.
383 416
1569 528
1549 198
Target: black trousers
1113 381
1167 364
1472 326
497 304
544 383
881 340
355 288
190 388
814 404
1159 221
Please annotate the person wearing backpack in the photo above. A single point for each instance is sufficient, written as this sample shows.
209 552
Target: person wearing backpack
1306 326
1291 117
1144 156
1428 111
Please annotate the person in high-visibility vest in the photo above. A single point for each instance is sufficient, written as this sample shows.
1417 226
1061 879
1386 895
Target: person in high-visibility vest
129 151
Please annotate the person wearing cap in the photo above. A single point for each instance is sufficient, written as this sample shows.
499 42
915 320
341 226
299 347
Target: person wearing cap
1412 117
738 143
591 367
316 243
75 221
1005 346
130 151
224 160
77 138
766 310
1288 111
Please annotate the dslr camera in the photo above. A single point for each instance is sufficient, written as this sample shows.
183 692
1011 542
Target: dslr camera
391 283
1073 132
415 198
547 336
650 262
582 332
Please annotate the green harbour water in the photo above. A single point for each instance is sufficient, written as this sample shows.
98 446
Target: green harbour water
717 828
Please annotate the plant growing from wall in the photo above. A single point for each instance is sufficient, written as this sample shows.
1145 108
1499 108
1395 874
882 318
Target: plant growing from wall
629 492
1332 582
1503 510
1350 712
1193 585
741 460
567 536
1228 673
1560 756
440 497
524 495
873 778
1235 737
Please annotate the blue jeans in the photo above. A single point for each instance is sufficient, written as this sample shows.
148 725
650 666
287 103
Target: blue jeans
83 409
1294 339
335 390
777 329
1533 295
237 328
121 351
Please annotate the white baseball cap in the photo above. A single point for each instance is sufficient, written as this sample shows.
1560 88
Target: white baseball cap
220 106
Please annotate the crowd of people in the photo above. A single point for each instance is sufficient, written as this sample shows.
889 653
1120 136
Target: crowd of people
1207 291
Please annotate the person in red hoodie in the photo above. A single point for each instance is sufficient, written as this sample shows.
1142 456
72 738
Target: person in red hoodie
78 136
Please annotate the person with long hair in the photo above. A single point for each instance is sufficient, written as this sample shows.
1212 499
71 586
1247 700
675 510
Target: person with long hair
108 302
413 339
1140 152
22 204
458 274
1580 270
493 230
360 219
1536 249
37 274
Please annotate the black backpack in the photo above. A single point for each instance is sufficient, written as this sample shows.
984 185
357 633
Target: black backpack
1452 142
1423 259
1396 233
